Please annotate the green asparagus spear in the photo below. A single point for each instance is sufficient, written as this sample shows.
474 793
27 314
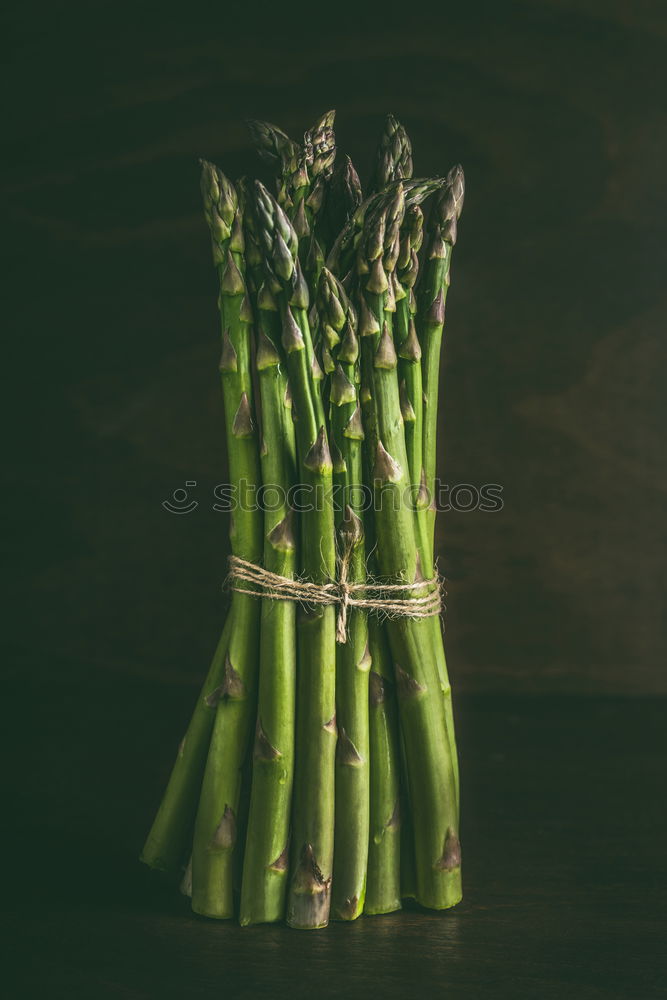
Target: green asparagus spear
217 817
265 865
393 161
352 653
170 836
430 770
313 813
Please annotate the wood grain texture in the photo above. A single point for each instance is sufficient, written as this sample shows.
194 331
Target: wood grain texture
564 865
555 342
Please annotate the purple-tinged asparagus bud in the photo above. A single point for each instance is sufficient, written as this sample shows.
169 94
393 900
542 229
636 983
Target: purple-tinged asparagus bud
266 355
273 145
390 297
423 498
352 528
385 355
349 348
282 260
300 221
299 295
330 335
316 372
406 685
331 300
368 321
377 281
346 752
224 837
232 281
318 458
264 749
386 469
320 141
342 391
410 349
328 362
391 253
376 690
266 300
228 358
232 686
292 337
374 237
436 311
456 182
339 463
316 195
398 290
245 310
281 863
451 855
242 425
354 428
366 661
394 821
407 409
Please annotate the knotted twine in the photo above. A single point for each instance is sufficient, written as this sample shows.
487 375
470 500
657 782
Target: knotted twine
385 598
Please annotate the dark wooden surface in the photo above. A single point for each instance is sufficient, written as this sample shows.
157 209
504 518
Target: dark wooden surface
563 831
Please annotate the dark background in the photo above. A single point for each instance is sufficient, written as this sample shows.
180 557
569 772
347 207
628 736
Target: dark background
553 388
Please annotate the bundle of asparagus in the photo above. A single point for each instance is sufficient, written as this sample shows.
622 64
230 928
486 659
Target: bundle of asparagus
332 313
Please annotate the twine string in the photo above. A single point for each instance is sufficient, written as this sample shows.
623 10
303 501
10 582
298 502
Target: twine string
393 600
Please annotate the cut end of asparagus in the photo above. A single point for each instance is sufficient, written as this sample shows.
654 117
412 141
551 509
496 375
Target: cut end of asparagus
309 899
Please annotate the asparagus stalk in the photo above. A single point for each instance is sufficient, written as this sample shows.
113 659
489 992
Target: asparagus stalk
383 888
433 293
265 866
170 835
429 766
393 160
352 652
217 816
313 813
